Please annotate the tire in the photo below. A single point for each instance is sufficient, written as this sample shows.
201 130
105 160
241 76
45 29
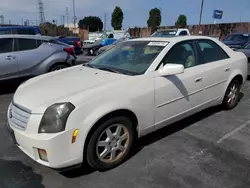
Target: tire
111 143
58 67
232 95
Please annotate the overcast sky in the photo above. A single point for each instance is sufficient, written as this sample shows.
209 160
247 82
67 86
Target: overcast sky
135 11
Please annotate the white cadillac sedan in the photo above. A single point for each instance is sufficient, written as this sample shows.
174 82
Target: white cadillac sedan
93 113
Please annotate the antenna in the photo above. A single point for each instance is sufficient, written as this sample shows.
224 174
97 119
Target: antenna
41 12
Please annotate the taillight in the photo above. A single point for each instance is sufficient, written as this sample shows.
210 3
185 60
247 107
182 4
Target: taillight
78 44
70 51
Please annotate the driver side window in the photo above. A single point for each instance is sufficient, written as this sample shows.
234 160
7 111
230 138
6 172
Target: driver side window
182 53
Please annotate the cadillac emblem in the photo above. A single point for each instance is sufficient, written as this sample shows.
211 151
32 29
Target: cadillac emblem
10 114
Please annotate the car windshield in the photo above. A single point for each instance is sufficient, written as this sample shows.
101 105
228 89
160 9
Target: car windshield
167 33
238 37
129 57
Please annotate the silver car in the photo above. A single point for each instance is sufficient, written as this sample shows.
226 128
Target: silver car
28 56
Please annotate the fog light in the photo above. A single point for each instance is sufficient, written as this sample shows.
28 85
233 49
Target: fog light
75 133
43 155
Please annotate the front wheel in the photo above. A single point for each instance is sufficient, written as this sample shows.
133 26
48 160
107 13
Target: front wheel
232 95
110 143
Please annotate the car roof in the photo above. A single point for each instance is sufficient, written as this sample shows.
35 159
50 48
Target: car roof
171 39
18 27
37 37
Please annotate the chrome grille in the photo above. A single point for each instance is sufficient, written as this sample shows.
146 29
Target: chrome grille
18 116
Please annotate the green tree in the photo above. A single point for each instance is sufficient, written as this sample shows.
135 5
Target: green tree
93 23
117 18
181 21
154 19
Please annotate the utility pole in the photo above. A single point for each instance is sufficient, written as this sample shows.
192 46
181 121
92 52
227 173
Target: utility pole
201 11
41 12
67 16
74 14
105 21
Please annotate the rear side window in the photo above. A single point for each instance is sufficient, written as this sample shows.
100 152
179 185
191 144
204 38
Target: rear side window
26 31
182 33
211 52
27 44
6 45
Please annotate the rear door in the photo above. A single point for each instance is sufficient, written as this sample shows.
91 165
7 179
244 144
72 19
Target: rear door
8 60
216 66
31 53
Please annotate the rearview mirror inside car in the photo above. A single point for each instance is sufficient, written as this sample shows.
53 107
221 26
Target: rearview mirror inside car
171 69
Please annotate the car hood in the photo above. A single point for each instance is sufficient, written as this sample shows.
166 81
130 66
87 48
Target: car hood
61 86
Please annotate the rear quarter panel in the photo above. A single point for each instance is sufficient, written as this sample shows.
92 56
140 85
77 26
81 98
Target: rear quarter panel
56 55
239 67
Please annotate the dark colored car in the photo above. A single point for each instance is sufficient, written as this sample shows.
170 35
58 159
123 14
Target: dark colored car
21 30
75 41
246 51
237 40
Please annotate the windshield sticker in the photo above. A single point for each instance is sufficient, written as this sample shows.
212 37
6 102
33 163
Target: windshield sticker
172 32
158 44
245 35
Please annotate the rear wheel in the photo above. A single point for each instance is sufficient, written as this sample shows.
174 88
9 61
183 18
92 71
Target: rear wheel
232 95
58 67
110 143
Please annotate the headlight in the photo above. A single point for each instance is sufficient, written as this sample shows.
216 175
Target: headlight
55 118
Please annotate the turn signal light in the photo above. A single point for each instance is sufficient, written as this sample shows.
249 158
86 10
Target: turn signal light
43 155
75 133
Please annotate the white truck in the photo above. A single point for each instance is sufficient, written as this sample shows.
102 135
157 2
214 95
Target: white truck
171 32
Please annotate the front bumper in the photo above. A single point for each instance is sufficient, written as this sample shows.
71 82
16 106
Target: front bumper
61 153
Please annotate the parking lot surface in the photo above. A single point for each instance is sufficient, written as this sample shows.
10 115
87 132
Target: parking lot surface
209 149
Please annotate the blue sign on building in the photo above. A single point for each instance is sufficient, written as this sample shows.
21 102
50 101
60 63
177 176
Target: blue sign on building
217 14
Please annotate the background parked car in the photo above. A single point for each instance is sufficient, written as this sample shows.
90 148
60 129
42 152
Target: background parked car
29 55
75 41
92 49
22 30
237 40
171 33
104 48
246 51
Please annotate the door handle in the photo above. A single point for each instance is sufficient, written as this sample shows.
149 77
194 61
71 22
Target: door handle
227 69
9 57
198 79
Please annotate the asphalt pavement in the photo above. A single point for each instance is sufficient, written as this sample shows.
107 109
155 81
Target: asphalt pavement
207 150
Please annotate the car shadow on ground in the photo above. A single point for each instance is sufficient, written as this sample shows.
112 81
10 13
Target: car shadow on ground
150 139
8 87
16 174
154 137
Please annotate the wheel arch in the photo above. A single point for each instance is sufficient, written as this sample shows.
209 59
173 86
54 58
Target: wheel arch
119 112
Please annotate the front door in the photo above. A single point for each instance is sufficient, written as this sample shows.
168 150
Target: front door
8 60
178 96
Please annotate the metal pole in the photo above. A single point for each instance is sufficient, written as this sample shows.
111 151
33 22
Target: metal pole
201 11
74 14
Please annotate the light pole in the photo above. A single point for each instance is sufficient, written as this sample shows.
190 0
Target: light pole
201 11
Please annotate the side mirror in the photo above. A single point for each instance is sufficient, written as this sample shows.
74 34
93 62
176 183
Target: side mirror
171 69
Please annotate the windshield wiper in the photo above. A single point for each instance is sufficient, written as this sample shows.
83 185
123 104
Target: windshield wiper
88 65
109 69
